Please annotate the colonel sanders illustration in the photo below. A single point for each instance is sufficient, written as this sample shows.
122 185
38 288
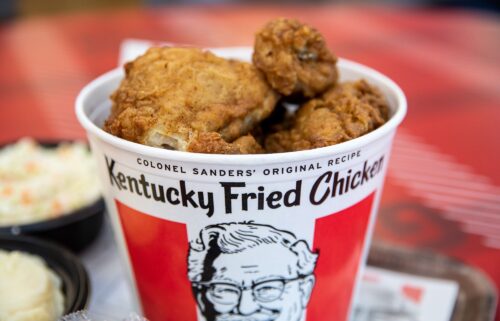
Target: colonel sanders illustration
248 271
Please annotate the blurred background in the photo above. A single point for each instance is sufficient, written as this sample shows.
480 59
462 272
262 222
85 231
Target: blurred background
14 8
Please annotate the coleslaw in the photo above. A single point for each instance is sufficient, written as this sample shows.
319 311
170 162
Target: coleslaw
39 183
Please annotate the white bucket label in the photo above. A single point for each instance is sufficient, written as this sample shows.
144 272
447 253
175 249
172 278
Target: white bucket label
275 242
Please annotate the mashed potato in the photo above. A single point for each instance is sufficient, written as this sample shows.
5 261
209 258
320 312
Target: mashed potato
29 290
38 183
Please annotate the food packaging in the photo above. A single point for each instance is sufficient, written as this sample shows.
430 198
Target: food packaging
243 237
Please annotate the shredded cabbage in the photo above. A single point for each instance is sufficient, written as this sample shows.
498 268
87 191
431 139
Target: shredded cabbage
38 183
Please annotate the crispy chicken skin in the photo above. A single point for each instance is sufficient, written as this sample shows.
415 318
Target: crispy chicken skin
212 143
346 111
171 96
294 57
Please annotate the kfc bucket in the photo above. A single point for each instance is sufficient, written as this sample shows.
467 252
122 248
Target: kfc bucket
243 237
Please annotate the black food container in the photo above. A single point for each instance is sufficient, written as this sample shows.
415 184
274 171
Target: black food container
75 230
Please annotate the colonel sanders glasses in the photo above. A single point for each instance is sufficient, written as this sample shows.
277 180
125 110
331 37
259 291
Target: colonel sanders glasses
230 294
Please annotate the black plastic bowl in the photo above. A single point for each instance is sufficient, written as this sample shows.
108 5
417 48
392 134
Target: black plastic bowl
75 230
75 280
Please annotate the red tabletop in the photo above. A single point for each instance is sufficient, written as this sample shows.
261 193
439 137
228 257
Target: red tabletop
443 188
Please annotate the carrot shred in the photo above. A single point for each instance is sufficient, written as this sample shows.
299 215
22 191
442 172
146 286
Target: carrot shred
56 207
26 198
7 190
31 167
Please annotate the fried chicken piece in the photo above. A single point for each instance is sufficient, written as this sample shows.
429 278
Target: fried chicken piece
347 111
213 143
294 57
171 95
280 119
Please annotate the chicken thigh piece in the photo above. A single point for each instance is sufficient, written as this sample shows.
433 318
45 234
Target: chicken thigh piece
345 112
170 96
